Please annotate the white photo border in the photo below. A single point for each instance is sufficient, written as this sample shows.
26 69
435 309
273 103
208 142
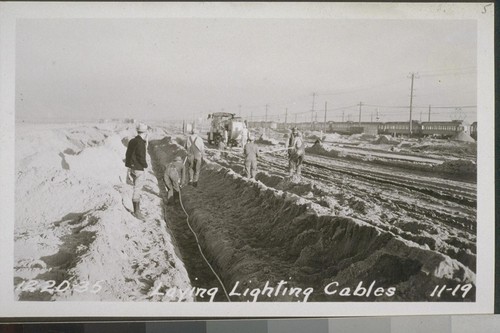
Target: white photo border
481 12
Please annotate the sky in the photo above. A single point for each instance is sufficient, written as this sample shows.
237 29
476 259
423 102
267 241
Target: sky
180 68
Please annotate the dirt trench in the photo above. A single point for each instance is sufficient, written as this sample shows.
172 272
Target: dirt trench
201 277
272 245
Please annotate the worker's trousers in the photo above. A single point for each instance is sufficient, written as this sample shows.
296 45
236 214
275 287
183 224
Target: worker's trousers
194 168
295 164
251 168
138 177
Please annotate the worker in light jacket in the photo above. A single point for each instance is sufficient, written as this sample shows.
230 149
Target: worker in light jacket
174 179
196 152
135 160
296 154
251 152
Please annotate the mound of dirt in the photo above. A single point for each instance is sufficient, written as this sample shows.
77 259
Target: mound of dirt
319 149
256 234
463 168
384 139
463 137
314 135
74 224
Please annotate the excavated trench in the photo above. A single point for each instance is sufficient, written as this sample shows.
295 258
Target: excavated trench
201 277
272 245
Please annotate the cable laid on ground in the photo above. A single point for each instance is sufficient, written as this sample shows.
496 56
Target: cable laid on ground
199 248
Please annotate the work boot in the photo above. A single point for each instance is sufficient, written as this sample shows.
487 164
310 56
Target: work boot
195 184
137 210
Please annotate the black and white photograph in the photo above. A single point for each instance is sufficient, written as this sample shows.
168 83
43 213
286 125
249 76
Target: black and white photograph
287 158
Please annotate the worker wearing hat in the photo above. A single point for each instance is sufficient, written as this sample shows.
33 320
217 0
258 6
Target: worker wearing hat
296 154
251 152
135 160
196 152
174 178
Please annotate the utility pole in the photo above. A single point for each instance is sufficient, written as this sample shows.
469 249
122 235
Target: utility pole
377 116
324 123
411 100
286 114
429 118
312 111
359 120
343 111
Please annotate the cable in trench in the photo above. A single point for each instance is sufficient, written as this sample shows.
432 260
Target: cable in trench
199 247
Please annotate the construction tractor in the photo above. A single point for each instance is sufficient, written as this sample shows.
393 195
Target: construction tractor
225 121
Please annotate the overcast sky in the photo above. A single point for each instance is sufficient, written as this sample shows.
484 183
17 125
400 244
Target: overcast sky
185 68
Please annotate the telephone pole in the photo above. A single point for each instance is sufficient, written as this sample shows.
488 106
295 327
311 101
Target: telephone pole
286 114
343 112
312 111
324 123
359 120
413 76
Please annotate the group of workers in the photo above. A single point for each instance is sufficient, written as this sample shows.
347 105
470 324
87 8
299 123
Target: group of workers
175 172
174 175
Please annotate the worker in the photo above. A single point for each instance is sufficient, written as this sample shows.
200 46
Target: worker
135 160
225 136
244 136
297 152
196 152
289 144
291 137
251 152
174 177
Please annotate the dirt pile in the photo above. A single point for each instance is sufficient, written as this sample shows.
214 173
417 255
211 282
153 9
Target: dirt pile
463 168
75 236
314 135
463 137
321 149
385 139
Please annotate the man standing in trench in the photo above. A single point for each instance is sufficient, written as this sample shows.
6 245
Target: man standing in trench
174 179
196 152
135 160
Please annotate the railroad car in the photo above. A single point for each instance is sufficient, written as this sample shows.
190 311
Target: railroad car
341 127
473 130
444 129
397 128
